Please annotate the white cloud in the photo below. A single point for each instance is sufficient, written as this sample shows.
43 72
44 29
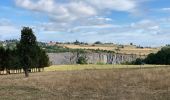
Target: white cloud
144 32
161 10
81 9
8 30
165 9
77 12
4 22
59 11
145 25
80 6
118 5
88 20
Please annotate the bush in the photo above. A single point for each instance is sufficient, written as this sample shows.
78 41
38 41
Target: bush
82 60
138 61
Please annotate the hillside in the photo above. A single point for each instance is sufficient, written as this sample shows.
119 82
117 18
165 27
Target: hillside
55 47
125 49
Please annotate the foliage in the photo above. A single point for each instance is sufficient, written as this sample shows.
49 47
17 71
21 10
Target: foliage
43 60
98 42
77 42
27 48
138 61
161 57
60 49
27 54
2 58
9 59
30 54
11 44
82 60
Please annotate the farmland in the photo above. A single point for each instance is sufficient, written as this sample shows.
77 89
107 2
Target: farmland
133 83
124 49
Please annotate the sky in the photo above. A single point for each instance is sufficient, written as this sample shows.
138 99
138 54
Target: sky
141 22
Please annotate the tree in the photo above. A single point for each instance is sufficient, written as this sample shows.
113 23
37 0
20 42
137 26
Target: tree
161 57
11 60
2 58
76 42
43 59
98 42
28 50
151 59
7 59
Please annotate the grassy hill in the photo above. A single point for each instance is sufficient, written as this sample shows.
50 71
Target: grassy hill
126 49
102 47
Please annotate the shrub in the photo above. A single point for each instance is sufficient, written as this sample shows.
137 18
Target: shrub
82 60
138 61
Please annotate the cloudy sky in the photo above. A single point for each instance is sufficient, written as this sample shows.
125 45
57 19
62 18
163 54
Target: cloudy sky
143 22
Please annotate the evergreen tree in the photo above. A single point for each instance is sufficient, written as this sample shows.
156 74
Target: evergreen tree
2 58
12 59
43 59
27 54
26 49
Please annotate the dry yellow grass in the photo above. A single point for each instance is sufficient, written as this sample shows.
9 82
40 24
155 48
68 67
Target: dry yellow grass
128 49
138 51
101 47
92 66
113 84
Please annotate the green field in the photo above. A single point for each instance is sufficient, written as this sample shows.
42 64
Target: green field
90 67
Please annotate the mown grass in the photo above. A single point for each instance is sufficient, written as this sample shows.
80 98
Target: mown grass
90 67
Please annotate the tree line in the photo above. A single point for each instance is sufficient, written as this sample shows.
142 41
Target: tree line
26 55
162 57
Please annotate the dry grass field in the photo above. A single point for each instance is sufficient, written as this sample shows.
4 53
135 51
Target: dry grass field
93 67
110 84
128 49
